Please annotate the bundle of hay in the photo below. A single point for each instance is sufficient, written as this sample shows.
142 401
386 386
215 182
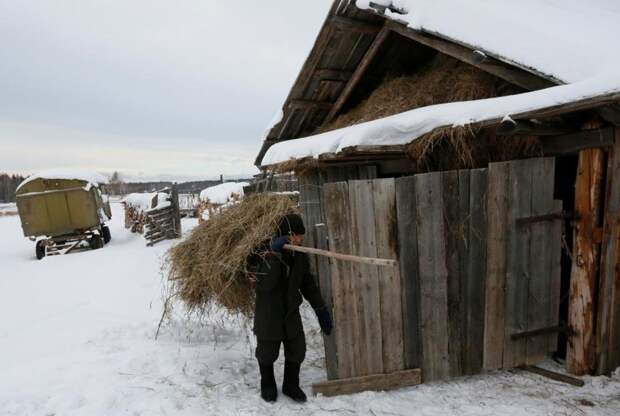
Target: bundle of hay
214 264
443 80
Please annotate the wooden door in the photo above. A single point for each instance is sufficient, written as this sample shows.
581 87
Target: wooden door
523 263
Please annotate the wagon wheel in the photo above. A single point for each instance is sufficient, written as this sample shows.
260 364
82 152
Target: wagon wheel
105 232
95 242
40 249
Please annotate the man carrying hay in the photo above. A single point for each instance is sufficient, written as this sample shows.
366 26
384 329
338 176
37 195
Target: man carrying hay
282 278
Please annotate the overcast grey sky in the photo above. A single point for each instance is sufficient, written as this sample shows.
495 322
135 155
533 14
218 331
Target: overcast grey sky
152 88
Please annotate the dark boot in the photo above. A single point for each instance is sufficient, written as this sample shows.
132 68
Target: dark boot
290 385
268 388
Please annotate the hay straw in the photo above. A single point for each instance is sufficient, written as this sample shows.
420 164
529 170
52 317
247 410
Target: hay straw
443 80
212 266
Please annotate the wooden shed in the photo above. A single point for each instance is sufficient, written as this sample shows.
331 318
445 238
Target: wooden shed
505 257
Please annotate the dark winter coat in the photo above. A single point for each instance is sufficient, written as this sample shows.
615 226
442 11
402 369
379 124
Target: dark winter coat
281 282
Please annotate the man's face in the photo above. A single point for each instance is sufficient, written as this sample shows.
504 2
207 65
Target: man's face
297 239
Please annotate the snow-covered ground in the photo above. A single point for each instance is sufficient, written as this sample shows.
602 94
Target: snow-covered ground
8 209
77 338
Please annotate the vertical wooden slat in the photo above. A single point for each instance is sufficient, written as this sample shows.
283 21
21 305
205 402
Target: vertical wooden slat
497 201
346 333
540 259
408 261
452 234
461 236
476 272
384 193
580 357
555 272
608 320
324 276
367 279
517 275
433 277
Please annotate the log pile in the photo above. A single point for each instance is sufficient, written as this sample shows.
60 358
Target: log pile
134 219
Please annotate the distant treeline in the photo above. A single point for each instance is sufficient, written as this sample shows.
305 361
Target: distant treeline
8 184
124 188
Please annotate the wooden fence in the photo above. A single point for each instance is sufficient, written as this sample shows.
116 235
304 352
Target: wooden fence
164 223
478 281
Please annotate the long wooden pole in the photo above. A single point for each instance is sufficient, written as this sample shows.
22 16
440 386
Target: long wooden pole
346 257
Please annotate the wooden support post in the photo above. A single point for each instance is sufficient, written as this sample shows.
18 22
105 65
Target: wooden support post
586 254
608 320
174 197
375 382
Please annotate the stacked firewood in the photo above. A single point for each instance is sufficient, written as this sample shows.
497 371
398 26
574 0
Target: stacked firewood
135 220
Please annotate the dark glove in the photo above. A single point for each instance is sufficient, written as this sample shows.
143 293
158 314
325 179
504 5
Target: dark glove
325 320
277 243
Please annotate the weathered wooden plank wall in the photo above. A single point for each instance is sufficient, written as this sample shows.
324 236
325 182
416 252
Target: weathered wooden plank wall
470 274
608 320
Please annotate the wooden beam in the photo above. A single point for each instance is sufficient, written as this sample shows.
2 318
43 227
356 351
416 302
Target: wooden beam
359 73
512 74
345 257
377 382
337 75
353 25
580 357
578 141
554 376
527 127
611 113
382 8
541 331
303 104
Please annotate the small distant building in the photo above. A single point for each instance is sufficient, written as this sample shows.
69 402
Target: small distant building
214 198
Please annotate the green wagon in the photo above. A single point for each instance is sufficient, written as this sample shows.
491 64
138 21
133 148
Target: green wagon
63 213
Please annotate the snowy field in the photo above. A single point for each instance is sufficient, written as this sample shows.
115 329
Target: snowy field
77 338
8 209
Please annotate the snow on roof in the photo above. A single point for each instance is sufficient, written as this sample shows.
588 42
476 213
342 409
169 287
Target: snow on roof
403 128
144 201
92 178
220 194
570 40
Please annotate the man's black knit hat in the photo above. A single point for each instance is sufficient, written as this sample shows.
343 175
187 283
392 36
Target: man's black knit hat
291 224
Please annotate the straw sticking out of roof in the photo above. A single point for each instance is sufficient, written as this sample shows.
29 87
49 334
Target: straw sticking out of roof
442 80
